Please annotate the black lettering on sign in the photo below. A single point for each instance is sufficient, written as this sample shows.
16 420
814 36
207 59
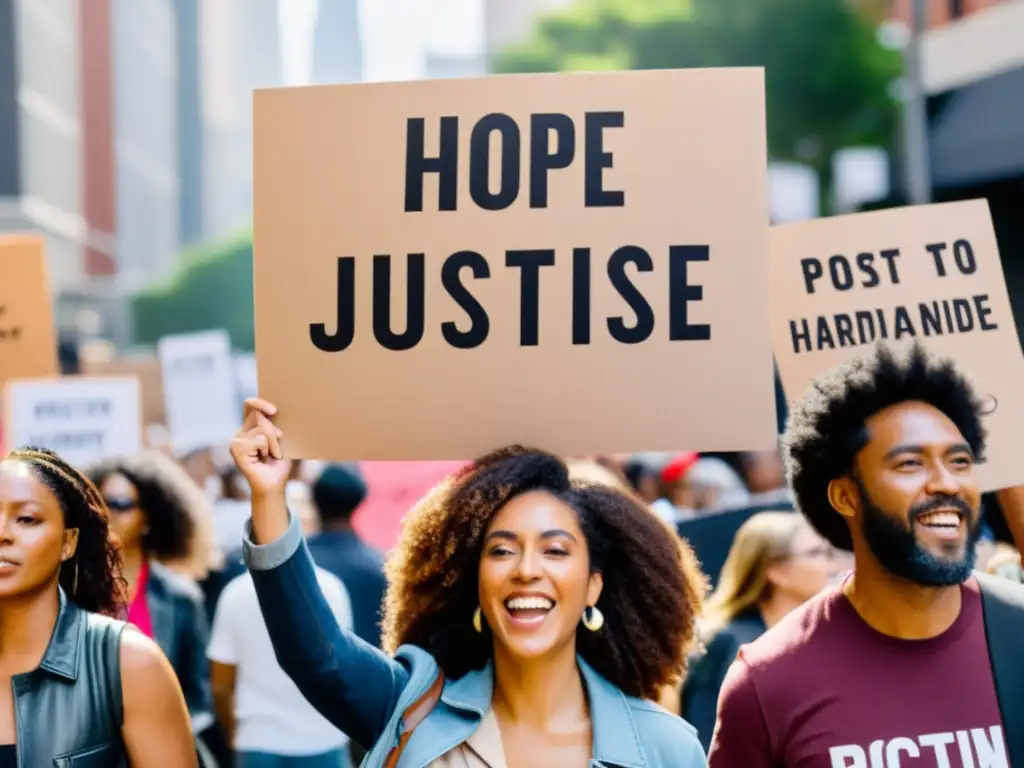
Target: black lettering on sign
479 323
445 164
581 296
844 274
415 302
529 262
681 293
552 147
345 320
542 158
963 257
644 327
927 318
597 160
480 162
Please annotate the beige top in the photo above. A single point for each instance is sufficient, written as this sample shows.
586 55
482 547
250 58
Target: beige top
481 750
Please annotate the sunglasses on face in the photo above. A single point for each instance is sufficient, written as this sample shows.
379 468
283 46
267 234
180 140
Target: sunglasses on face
120 505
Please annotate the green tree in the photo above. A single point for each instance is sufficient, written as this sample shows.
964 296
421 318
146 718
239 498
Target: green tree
211 288
827 77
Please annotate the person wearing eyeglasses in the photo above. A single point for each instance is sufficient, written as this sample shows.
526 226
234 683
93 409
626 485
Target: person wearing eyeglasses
148 497
776 563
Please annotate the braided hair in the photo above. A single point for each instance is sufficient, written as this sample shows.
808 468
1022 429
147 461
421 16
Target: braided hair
92 578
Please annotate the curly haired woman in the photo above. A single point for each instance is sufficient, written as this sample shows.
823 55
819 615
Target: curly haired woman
532 620
76 687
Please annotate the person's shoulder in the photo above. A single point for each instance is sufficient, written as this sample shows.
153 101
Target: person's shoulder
666 738
140 656
801 628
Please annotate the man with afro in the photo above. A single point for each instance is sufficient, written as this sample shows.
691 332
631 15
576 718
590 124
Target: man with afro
892 666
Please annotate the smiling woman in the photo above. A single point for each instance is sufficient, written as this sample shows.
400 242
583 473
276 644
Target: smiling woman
531 618
112 691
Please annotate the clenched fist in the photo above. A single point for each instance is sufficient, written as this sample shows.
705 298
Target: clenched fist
256 450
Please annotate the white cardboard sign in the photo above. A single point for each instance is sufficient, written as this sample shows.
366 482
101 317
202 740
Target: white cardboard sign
200 391
82 419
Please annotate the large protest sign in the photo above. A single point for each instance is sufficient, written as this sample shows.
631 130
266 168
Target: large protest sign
200 392
83 419
927 273
28 345
572 261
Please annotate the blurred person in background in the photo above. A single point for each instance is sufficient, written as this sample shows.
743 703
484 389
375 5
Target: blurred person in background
337 494
516 599
643 473
776 563
77 686
677 499
267 721
1005 561
716 485
149 500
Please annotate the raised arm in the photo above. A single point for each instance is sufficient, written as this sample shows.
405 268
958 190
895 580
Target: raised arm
352 684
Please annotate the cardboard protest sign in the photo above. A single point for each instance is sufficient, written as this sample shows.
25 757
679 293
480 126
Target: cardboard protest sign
200 394
146 368
925 273
82 419
572 261
28 343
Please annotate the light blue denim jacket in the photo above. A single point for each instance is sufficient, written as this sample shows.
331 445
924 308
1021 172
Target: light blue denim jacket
364 692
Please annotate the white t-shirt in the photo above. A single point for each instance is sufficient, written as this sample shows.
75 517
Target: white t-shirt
271 715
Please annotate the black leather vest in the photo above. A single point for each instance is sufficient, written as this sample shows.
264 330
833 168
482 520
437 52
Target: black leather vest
68 711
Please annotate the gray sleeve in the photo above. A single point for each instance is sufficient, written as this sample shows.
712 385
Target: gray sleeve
266 557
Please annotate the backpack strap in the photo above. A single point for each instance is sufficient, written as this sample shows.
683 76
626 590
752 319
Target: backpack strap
413 716
1003 605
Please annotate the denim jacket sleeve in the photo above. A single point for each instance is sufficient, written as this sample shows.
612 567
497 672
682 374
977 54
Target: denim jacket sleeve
351 683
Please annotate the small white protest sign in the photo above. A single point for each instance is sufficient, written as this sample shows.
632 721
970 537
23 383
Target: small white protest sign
200 391
83 419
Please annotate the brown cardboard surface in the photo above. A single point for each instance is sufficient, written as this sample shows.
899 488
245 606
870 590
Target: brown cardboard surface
28 343
990 357
146 368
330 182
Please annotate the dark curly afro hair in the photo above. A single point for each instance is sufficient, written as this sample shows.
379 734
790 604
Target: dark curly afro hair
826 429
165 494
653 587
93 578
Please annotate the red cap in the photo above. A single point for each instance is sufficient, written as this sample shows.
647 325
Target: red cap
678 467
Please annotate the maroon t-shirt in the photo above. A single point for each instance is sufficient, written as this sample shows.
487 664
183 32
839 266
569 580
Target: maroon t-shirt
822 689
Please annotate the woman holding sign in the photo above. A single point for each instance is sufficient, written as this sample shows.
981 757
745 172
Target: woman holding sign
76 687
532 620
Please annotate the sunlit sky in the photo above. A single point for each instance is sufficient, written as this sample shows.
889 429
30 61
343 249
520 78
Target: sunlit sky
395 35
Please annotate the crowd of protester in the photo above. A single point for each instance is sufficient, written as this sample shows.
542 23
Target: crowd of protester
359 638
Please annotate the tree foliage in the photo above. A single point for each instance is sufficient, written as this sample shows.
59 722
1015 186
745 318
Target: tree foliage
827 76
212 288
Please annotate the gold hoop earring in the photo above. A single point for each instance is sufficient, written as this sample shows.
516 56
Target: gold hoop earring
593 619
478 621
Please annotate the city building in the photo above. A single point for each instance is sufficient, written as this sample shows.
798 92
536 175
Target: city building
145 140
190 122
337 43
240 50
41 163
